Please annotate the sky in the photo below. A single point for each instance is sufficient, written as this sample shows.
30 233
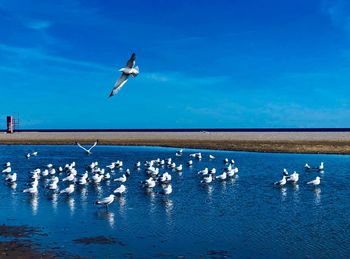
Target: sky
203 64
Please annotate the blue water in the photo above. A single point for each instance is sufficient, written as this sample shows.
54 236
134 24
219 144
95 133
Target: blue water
242 217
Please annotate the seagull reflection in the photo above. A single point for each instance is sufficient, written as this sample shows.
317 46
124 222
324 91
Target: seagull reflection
283 192
295 187
98 190
233 180
34 203
317 192
151 196
83 193
71 204
209 189
224 186
122 203
54 200
168 205
106 215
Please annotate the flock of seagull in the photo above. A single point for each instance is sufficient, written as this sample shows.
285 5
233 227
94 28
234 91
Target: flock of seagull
69 177
294 177
51 177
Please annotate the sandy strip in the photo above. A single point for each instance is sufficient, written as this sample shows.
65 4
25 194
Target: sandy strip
295 142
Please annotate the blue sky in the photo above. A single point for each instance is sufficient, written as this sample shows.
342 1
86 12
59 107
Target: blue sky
202 63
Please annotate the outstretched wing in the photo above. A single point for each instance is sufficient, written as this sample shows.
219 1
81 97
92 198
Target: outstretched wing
82 147
119 84
131 61
93 146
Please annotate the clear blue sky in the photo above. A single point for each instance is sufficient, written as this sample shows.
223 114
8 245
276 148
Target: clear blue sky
202 63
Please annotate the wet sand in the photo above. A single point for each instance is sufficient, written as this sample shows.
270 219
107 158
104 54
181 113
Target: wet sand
293 142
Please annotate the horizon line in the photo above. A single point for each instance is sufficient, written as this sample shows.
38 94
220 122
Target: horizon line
191 130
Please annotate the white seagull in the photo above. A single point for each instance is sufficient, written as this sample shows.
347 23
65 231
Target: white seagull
282 182
130 69
179 153
207 179
88 151
166 190
321 167
69 190
32 190
121 179
120 190
11 177
315 182
222 176
294 177
106 201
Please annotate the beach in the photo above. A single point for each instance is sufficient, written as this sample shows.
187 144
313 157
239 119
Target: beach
290 142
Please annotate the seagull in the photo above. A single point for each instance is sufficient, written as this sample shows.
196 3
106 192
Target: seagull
130 69
105 201
211 157
179 152
7 170
149 183
27 155
178 168
321 167
120 190
138 164
205 171
11 177
121 179
165 178
282 182
307 167
207 179
222 176
315 182
7 164
294 177
32 190
35 153
166 190
69 190
88 151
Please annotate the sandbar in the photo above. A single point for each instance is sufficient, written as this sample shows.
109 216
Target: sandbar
291 142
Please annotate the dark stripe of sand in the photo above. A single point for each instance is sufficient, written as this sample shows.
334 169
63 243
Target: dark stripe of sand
294 142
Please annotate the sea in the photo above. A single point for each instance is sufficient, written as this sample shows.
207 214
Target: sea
241 217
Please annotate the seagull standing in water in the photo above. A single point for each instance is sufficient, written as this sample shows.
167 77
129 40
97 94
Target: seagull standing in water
130 69
281 182
88 151
315 182
106 201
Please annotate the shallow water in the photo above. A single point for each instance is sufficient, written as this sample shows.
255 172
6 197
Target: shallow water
242 217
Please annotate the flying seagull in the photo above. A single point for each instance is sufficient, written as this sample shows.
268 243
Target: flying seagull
88 151
130 69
